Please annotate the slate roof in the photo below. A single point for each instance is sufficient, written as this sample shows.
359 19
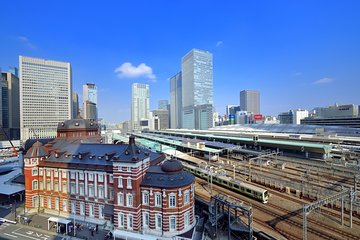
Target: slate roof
99 154
37 150
79 123
173 176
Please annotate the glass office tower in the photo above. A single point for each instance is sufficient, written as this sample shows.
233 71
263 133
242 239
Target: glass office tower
197 89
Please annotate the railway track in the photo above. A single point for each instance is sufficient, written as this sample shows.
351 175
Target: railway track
257 220
324 180
320 230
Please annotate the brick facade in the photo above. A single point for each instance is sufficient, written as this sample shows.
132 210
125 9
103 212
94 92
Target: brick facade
104 184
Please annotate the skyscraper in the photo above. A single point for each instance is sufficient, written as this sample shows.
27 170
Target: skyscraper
10 105
75 105
250 101
90 101
45 96
163 104
140 104
176 101
197 89
14 70
163 117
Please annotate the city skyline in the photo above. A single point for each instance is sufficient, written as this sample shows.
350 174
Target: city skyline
292 54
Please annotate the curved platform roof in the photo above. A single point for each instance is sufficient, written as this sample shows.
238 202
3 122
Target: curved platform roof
274 143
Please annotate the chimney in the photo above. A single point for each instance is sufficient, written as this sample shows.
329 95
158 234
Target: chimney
132 140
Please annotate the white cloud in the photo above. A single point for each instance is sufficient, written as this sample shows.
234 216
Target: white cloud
26 41
219 43
127 70
296 74
323 80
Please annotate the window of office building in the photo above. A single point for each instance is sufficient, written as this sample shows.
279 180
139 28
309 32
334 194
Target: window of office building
35 185
101 192
101 178
129 200
158 199
121 220
129 183
187 219
120 199
186 197
91 210
91 190
145 219
129 221
49 202
158 221
101 211
120 182
172 200
172 222
145 198
64 205
82 189
82 208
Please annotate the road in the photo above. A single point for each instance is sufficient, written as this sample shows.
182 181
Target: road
20 232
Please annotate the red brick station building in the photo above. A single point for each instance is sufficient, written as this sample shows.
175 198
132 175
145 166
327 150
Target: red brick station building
132 189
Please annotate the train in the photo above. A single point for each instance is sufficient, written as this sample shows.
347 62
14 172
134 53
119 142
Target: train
243 188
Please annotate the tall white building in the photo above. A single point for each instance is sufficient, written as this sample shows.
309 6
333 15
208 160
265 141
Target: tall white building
45 96
197 90
140 105
90 101
298 115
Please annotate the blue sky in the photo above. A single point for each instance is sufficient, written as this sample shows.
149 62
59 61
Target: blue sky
298 54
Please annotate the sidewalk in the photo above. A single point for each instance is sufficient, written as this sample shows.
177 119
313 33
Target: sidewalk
39 222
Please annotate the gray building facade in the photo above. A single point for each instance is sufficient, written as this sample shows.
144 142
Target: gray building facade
91 110
250 101
75 105
10 105
176 101
163 118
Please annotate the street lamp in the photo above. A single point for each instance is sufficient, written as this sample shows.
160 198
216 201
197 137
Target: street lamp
20 194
